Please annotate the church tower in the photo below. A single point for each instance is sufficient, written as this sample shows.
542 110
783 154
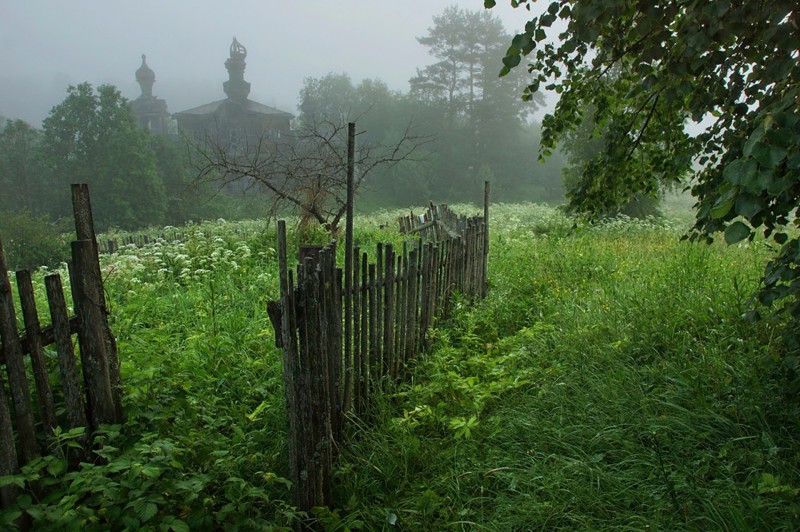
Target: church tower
236 87
236 124
150 112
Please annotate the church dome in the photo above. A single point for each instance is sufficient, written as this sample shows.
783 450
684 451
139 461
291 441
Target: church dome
145 77
145 73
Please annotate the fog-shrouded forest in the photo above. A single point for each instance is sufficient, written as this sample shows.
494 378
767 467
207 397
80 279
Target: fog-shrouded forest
463 125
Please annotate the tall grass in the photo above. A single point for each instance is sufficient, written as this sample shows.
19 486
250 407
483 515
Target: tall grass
609 381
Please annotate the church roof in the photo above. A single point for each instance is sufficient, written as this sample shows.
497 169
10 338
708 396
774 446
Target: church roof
249 105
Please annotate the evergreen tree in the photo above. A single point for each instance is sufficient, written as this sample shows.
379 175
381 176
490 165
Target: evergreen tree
477 116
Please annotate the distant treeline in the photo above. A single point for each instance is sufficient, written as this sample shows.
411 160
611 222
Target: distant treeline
476 128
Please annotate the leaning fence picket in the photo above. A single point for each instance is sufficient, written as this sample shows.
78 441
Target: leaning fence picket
33 332
15 365
62 333
8 452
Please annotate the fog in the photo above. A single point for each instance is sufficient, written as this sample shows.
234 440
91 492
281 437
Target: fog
46 46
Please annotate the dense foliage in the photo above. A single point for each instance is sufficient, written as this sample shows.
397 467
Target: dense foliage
607 382
22 178
31 241
137 179
732 64
93 138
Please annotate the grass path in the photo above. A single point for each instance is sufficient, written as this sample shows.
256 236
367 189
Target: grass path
608 382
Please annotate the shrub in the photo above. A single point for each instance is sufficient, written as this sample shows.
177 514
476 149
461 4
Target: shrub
30 241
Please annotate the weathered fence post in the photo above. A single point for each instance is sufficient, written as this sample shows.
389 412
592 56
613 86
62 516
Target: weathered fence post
290 364
388 312
84 229
15 365
33 333
366 336
348 270
485 287
8 452
73 399
94 355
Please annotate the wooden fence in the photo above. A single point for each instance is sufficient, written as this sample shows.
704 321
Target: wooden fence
342 337
437 222
89 401
111 245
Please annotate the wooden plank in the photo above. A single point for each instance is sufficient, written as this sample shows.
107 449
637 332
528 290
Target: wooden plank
400 314
15 366
379 291
314 366
427 291
365 336
348 269
485 286
84 229
48 338
8 453
436 254
388 311
422 228
94 356
413 305
62 332
290 366
82 210
33 329
307 471
355 397
373 329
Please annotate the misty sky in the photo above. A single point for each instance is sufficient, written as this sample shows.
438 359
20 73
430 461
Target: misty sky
47 45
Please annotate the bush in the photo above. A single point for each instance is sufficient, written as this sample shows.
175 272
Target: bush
30 241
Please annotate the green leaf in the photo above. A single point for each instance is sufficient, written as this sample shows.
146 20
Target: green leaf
255 413
510 61
740 171
176 524
9 480
768 155
748 205
736 232
56 467
489 4
724 204
147 511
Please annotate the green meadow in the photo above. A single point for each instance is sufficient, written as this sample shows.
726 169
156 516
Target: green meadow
609 381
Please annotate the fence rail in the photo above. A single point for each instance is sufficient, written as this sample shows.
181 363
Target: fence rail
342 337
91 396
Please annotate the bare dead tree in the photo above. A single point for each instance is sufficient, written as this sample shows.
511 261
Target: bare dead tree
306 169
